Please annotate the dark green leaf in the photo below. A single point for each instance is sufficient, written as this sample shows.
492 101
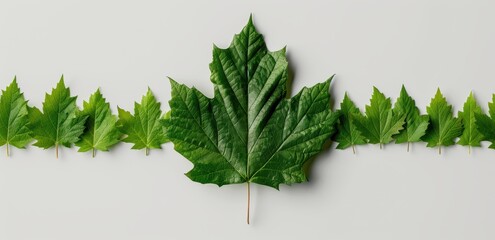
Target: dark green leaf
249 132
485 124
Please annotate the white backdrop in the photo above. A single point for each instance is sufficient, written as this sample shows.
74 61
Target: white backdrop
126 46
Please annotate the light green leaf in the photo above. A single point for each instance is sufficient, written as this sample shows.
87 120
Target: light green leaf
14 119
471 136
58 124
380 122
144 128
347 133
101 131
443 128
416 124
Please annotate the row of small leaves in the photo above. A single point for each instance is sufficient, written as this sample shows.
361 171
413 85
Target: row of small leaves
94 127
382 124
61 123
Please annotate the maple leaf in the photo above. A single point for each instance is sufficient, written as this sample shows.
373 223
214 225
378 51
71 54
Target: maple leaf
101 131
415 124
347 133
249 132
58 124
485 124
471 136
144 128
14 119
443 128
380 122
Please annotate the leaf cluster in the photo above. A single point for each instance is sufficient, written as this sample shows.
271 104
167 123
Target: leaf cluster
60 123
404 123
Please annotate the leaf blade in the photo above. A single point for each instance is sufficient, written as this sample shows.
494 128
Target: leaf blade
101 131
144 129
14 129
443 128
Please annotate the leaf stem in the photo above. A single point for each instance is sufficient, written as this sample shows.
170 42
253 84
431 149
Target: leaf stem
469 149
353 149
147 151
408 146
94 152
7 146
439 150
381 146
248 200
56 150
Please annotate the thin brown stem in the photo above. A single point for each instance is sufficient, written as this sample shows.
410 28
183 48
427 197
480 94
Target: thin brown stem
353 149
248 200
56 150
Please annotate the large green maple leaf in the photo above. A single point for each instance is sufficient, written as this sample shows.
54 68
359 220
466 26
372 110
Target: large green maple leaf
249 132
14 119
380 123
444 128
59 123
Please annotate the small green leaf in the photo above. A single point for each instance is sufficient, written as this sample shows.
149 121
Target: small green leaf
347 133
443 128
101 131
380 123
416 124
14 119
471 136
485 124
144 128
58 124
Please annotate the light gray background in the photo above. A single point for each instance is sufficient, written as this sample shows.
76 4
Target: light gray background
125 46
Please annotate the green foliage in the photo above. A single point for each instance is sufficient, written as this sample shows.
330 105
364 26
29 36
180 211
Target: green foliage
14 120
485 124
471 136
347 133
415 124
249 132
101 131
443 128
144 128
58 124
380 122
